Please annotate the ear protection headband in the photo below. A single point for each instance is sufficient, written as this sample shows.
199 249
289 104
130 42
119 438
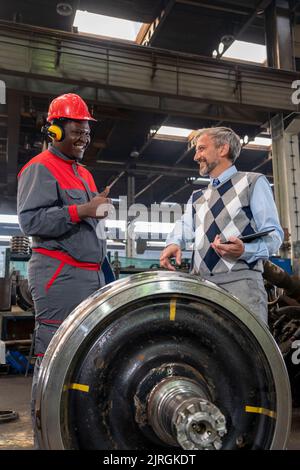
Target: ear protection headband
54 131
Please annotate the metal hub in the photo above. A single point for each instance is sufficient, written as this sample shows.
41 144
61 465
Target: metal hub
180 415
202 429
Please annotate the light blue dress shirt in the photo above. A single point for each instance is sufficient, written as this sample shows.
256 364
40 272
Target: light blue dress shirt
264 212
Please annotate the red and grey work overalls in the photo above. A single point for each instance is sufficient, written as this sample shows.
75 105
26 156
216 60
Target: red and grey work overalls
65 267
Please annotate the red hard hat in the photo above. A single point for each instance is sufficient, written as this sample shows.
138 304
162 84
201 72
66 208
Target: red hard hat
69 106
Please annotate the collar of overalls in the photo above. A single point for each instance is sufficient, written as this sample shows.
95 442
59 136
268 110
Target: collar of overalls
61 155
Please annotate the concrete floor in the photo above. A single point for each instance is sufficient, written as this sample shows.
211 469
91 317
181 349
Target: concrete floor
15 395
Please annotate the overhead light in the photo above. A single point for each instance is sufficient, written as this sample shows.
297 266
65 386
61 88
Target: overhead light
197 180
201 181
221 47
246 51
156 244
109 223
9 219
261 142
64 9
153 227
246 139
173 133
5 238
215 53
114 243
134 154
140 226
153 131
227 39
108 26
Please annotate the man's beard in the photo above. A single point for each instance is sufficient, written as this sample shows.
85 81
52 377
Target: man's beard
209 168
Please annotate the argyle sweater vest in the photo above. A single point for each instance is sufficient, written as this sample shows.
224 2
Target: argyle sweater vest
223 210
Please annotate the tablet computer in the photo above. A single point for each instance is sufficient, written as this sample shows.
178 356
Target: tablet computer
253 236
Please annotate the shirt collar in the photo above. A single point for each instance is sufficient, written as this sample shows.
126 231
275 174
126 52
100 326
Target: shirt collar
225 175
61 155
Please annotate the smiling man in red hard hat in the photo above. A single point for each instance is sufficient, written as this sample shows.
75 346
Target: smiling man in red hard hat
57 206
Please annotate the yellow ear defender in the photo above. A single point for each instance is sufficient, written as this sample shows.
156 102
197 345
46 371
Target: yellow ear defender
55 132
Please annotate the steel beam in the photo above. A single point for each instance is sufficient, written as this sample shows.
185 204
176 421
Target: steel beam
139 102
147 169
153 29
143 190
13 135
279 38
236 9
286 168
248 21
176 192
151 137
258 167
122 73
173 168
130 241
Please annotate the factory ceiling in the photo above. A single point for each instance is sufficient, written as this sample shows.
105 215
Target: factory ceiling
124 137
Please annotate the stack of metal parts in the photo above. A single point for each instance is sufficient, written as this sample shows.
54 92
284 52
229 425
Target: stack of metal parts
5 294
284 319
20 245
23 295
14 289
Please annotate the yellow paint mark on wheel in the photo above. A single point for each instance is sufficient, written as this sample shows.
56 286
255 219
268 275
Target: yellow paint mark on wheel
262 411
172 309
80 387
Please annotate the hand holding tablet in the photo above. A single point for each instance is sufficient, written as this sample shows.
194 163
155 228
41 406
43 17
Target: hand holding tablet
252 236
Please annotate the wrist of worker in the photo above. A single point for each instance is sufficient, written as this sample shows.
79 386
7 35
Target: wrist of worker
78 212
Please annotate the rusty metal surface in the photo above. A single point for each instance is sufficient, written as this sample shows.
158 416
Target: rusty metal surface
277 276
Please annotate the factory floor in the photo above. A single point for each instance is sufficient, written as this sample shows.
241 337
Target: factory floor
16 435
15 395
